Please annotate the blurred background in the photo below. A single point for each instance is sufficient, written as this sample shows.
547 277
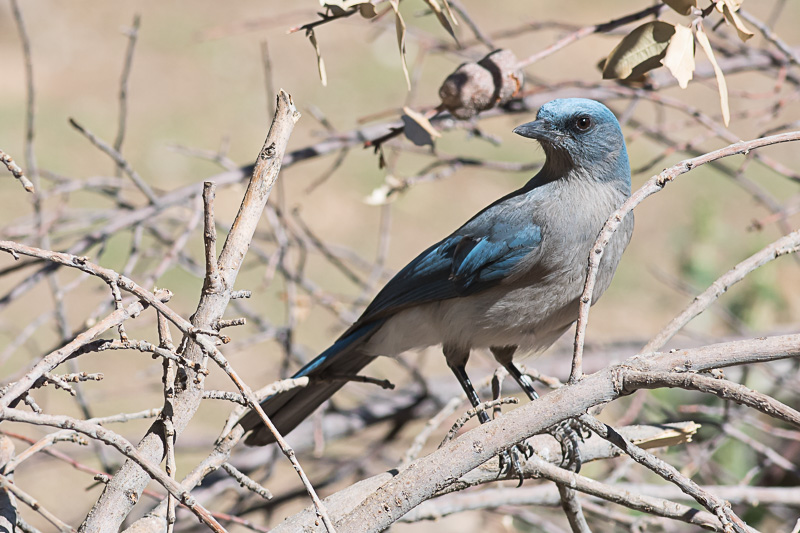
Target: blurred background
200 96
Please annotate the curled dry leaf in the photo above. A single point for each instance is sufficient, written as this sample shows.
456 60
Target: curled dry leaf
702 39
418 129
323 77
671 435
639 51
367 10
684 7
340 7
728 8
679 58
400 28
450 12
440 15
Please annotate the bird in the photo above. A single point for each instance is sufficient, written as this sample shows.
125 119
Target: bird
508 280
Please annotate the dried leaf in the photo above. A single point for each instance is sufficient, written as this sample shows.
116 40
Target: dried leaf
639 51
733 4
670 435
418 129
381 157
450 12
684 7
336 7
323 77
367 10
342 5
400 27
437 10
680 55
702 39
729 9
386 193
379 196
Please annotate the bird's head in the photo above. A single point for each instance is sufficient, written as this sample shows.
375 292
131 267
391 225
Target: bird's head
578 134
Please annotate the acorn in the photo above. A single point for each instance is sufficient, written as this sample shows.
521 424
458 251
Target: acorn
476 87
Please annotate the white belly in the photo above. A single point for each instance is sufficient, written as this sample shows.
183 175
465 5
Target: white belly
497 317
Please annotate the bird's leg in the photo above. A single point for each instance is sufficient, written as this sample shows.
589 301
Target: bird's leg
461 375
564 432
457 361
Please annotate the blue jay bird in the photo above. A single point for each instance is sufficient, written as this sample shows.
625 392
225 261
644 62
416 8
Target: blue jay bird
508 280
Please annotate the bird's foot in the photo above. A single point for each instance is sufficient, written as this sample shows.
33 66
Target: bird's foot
510 460
568 434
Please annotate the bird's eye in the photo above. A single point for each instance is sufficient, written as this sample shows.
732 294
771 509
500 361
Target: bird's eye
583 123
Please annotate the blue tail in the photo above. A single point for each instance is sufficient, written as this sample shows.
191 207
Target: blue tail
286 410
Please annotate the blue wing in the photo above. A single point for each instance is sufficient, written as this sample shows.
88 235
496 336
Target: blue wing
477 256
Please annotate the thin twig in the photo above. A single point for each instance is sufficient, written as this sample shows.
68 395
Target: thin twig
132 33
785 245
589 30
652 186
770 36
719 507
246 482
120 161
100 433
212 279
30 501
16 171
463 419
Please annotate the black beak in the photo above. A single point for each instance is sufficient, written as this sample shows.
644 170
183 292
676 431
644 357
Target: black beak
541 130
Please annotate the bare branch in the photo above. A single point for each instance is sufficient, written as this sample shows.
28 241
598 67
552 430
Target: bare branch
653 185
16 171
100 433
785 245
209 311
432 473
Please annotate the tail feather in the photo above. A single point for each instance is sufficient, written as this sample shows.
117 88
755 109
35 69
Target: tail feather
286 410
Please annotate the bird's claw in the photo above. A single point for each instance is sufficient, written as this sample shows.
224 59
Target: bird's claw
510 463
568 434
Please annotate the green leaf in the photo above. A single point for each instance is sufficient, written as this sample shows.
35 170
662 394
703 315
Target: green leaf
679 58
684 7
639 51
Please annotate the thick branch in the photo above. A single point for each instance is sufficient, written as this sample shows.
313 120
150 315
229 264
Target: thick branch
429 475
116 502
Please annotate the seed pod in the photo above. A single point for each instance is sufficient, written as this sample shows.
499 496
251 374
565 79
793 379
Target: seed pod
502 64
476 87
467 91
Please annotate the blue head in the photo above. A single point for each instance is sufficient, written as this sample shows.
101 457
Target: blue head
581 135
